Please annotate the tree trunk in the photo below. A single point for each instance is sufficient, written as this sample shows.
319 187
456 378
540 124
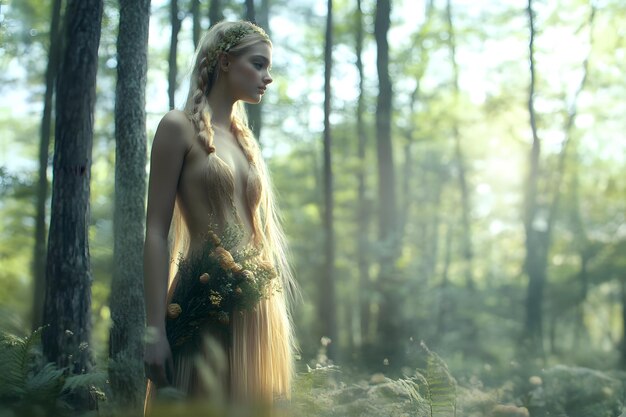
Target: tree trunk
585 250
253 110
534 264
363 214
466 240
126 372
538 242
67 308
444 301
580 330
623 299
263 17
585 253
197 27
430 241
39 254
327 289
470 330
407 195
389 322
215 12
173 67
250 10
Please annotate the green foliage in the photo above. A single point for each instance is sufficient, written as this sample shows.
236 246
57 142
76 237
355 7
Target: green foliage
440 386
29 387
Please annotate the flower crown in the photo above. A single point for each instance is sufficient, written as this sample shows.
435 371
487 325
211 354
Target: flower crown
232 36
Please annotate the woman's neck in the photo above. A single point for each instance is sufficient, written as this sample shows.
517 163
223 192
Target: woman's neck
221 103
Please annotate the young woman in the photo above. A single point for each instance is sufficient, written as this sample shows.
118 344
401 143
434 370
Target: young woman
206 169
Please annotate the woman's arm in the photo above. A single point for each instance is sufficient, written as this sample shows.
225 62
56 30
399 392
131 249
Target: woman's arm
168 152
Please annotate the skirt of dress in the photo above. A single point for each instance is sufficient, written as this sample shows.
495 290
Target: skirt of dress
254 366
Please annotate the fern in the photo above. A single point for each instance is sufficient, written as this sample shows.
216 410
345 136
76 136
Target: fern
45 385
24 388
94 378
15 353
440 386
408 387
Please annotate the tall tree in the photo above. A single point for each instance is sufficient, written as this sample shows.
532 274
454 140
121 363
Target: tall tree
327 289
197 27
467 264
420 45
389 326
249 10
215 12
68 276
126 299
253 110
622 284
466 236
569 145
532 266
172 64
363 214
539 238
263 17
39 255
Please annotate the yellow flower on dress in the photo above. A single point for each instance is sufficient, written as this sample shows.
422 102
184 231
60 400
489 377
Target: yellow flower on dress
214 238
248 275
225 258
174 310
215 298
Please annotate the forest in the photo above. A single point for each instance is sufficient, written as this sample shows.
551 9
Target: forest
451 177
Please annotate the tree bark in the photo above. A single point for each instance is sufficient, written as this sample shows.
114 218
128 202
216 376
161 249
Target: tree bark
585 251
327 289
534 263
444 299
466 240
126 372
250 10
67 308
263 17
407 172
389 321
363 213
253 110
173 66
215 12
197 27
538 242
408 166
623 300
39 254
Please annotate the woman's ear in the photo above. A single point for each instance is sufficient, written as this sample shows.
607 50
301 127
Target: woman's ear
223 61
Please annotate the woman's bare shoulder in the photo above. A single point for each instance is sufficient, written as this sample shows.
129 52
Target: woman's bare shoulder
176 129
176 116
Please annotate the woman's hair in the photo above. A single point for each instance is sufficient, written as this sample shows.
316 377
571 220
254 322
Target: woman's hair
233 38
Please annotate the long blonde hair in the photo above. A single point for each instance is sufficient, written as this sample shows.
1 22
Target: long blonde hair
267 230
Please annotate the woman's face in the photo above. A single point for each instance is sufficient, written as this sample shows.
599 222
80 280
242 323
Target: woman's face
249 74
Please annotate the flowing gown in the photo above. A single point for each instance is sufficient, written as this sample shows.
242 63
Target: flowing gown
255 364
